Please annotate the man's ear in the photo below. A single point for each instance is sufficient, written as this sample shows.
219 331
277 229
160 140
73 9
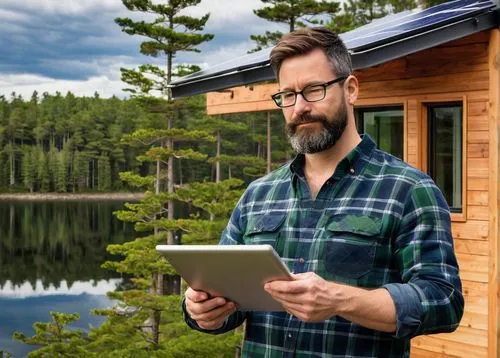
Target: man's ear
351 88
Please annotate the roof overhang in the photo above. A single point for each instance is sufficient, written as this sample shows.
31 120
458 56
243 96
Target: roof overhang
257 69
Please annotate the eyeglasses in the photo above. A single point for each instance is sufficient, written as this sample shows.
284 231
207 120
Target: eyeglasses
312 93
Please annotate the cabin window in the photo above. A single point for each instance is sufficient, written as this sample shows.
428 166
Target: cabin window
445 151
385 125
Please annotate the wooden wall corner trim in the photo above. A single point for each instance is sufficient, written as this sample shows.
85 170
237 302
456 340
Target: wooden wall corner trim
494 203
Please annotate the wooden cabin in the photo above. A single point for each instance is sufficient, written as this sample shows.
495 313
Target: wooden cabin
437 108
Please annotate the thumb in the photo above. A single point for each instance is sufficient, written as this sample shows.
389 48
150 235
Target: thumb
303 275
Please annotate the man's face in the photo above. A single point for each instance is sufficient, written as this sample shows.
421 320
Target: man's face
313 127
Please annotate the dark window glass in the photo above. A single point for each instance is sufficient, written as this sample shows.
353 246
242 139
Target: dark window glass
445 151
385 126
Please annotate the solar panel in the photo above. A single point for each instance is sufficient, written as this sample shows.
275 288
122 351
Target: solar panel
251 60
406 23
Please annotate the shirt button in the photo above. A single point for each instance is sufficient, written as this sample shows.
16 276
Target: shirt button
301 260
351 170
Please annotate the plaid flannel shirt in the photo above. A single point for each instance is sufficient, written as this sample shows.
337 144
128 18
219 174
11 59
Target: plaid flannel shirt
377 222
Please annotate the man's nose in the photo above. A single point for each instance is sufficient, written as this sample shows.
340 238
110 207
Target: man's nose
301 105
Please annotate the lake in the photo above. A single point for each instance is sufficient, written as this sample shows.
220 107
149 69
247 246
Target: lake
50 257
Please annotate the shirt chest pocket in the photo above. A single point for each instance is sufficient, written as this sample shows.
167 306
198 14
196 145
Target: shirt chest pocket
264 229
350 246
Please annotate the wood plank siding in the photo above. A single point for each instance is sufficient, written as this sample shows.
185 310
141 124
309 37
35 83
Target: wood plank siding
465 71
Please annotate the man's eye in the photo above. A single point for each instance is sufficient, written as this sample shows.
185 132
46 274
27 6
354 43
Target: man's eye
315 90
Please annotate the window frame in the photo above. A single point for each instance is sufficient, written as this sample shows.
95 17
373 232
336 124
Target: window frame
367 106
425 141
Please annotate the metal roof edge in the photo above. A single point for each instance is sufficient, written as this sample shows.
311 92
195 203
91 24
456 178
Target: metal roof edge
222 81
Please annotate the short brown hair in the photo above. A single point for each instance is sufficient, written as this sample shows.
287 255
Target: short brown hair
305 40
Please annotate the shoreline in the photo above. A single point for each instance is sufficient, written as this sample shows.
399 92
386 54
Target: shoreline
69 196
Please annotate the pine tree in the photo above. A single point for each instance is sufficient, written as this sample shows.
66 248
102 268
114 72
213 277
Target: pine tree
52 166
168 33
430 3
294 13
221 129
80 171
104 174
60 173
55 339
356 13
14 132
43 177
29 167
401 5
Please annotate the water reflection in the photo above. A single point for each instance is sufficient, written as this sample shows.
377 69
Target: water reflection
50 257
25 290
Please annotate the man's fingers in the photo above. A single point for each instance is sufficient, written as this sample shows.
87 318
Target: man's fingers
286 297
290 307
219 313
204 306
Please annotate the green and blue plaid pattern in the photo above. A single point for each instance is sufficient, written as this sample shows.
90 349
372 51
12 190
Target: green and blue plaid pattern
377 222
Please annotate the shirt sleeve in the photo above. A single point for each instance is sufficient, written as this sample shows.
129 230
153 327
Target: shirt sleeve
429 299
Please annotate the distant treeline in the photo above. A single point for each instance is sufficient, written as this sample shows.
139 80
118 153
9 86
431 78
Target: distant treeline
64 143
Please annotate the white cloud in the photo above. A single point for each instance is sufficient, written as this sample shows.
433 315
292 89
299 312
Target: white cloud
233 16
102 66
66 7
225 53
9 15
223 12
77 288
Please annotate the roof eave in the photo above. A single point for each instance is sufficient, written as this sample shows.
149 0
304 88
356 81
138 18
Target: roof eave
425 40
362 59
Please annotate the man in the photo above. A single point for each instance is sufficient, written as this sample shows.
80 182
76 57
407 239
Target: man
367 236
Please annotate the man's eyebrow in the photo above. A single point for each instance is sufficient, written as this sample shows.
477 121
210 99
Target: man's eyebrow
312 83
286 88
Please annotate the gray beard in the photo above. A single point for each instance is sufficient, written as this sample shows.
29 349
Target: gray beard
310 143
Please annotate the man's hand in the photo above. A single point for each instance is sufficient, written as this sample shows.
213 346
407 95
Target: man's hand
312 299
308 297
209 313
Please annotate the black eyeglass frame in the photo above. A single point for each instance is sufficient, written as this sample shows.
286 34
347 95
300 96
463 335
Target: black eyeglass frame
324 85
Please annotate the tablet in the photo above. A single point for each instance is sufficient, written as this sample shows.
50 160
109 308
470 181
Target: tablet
237 272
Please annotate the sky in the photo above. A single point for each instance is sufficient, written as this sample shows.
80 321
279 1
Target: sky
74 45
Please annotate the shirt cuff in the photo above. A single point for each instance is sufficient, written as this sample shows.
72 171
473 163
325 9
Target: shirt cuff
408 309
192 323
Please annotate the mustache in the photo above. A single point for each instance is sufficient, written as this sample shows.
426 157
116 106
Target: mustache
305 118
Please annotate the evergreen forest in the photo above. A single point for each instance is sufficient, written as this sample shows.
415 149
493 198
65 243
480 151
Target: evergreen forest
63 143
